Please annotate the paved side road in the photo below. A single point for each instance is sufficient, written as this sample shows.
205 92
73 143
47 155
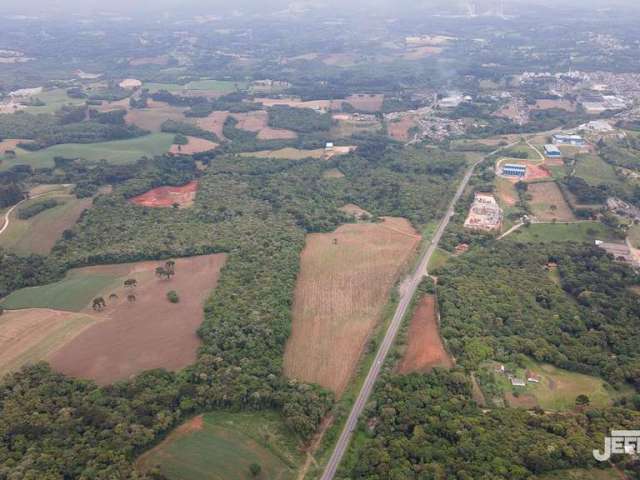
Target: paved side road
401 310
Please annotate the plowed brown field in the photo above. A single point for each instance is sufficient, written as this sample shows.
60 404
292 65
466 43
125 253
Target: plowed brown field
343 286
148 333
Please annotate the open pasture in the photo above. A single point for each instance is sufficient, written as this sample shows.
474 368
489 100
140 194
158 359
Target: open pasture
595 171
562 232
39 233
557 389
214 123
223 446
344 283
366 102
195 145
153 117
400 130
548 204
425 349
118 151
286 153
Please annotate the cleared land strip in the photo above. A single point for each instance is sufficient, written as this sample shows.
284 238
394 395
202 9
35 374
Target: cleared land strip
401 310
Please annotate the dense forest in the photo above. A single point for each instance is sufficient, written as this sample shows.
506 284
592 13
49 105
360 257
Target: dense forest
501 301
428 427
46 130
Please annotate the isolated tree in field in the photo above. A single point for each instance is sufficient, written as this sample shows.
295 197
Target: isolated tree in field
582 400
161 272
130 283
113 297
255 469
170 267
131 298
175 205
99 303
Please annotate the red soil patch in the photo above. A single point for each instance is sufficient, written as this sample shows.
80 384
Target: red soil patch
214 123
10 145
148 333
536 172
195 145
425 349
165 197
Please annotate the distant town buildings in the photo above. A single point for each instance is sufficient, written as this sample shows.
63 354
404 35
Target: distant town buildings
575 140
485 214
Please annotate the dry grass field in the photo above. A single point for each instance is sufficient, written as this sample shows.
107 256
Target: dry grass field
287 153
555 104
30 335
39 233
269 133
400 130
425 349
214 123
195 145
548 203
153 117
150 332
252 121
366 102
344 284
506 191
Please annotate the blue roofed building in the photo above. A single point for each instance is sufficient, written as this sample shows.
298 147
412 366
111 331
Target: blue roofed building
514 170
552 151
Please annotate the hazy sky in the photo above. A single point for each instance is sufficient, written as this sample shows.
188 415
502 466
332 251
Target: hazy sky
225 6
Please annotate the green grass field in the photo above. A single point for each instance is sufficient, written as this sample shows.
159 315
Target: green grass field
548 232
223 447
118 152
558 388
73 293
439 259
218 86
54 99
634 236
595 171
522 148
39 233
169 87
